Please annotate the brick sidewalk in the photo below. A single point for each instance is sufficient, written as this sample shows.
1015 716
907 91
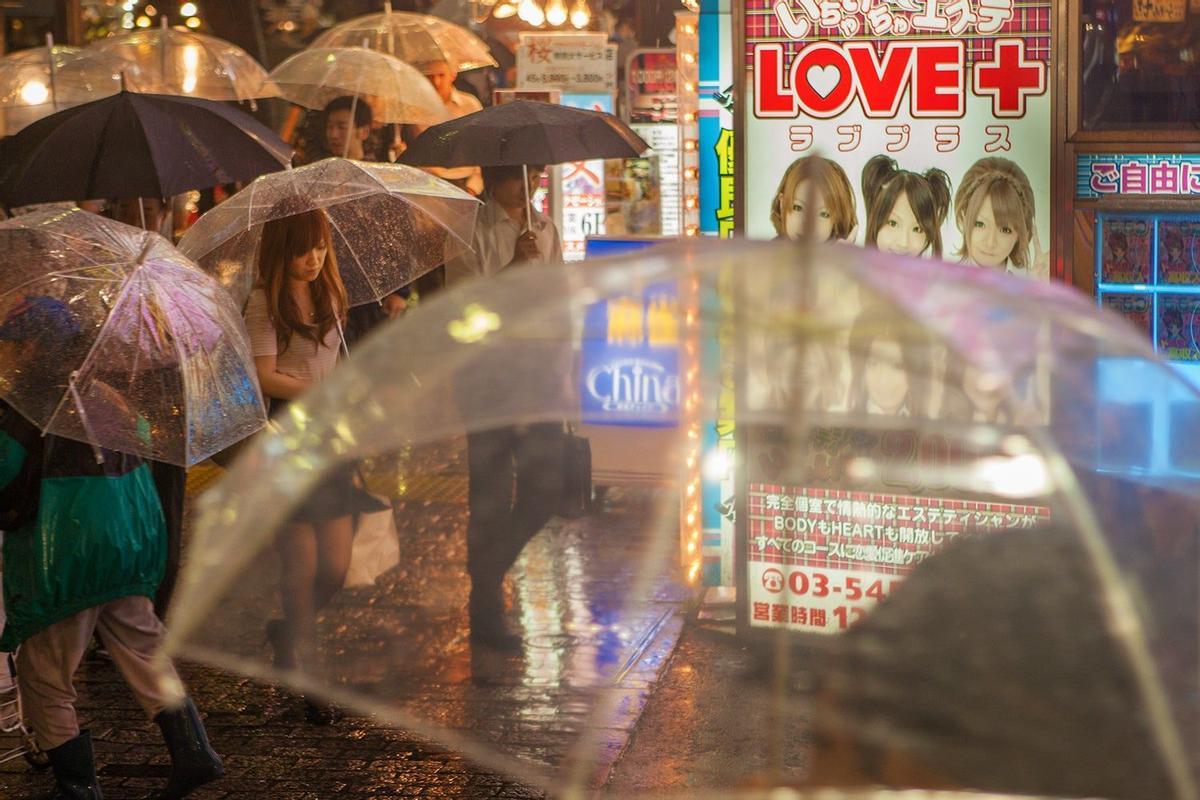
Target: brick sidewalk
531 706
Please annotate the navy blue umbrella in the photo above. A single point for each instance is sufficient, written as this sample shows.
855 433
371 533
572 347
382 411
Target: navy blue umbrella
136 145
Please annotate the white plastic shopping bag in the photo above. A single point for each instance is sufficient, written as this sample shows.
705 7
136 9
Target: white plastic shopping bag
376 547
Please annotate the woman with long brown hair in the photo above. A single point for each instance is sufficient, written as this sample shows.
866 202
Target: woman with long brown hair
295 316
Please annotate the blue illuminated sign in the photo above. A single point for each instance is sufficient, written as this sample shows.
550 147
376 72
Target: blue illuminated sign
630 360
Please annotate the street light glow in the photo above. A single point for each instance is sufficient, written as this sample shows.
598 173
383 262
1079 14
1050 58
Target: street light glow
34 93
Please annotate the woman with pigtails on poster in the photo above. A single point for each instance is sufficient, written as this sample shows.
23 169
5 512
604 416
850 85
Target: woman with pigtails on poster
905 210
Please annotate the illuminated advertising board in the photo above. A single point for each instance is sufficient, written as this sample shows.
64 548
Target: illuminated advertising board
951 96
821 550
630 360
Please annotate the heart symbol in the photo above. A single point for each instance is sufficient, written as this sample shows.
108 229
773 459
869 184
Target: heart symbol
823 80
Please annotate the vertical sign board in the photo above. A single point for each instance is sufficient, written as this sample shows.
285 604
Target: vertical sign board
716 174
955 92
716 119
651 104
929 83
584 67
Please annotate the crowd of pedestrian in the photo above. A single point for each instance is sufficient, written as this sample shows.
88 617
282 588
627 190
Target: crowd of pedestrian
107 527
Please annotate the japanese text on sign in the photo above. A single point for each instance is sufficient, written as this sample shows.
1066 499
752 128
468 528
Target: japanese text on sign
1099 175
570 67
825 554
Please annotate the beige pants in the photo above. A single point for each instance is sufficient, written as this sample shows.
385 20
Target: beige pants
46 664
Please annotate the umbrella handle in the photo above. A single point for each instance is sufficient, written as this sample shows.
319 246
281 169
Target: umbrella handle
528 204
83 418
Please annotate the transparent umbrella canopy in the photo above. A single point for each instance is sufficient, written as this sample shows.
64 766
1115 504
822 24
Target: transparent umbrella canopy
413 38
395 91
964 547
110 336
38 81
192 64
391 224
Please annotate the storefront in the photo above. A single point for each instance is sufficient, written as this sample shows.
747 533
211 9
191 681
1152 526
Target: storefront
1085 110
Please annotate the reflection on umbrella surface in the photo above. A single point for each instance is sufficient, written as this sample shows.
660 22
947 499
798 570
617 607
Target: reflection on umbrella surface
191 64
413 38
136 145
391 224
110 335
396 91
38 81
931 507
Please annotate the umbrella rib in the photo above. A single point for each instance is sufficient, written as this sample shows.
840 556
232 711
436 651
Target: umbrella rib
183 381
104 329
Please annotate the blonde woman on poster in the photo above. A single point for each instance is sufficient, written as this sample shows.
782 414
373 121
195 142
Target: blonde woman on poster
905 210
994 212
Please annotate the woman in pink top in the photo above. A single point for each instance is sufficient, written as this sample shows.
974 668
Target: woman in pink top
295 316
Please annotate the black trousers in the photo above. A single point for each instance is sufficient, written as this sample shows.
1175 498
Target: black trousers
515 488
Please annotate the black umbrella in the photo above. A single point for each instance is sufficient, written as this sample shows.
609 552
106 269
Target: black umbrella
136 145
524 132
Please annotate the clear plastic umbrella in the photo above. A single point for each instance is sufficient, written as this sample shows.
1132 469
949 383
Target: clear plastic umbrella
38 81
183 62
414 38
964 546
396 91
391 224
109 335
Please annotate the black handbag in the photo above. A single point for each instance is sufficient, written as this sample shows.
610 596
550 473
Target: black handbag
577 475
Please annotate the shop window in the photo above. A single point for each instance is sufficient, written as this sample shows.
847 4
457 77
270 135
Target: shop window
1138 64
1148 270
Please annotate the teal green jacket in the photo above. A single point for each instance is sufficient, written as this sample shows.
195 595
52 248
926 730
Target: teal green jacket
77 534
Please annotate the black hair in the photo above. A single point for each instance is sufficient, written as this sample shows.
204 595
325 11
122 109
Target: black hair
362 109
508 172
928 195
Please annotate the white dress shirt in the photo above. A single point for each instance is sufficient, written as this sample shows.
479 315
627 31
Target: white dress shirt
495 241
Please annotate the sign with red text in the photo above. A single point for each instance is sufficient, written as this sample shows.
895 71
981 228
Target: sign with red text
818 559
928 83
825 541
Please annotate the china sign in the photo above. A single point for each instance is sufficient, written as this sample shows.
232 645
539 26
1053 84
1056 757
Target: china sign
949 96
630 360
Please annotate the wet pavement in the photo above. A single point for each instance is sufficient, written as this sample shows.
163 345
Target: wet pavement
584 675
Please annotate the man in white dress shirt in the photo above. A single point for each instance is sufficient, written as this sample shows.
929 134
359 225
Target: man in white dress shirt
507 462
506 231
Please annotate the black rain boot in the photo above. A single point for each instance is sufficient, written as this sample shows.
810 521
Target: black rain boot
193 762
75 770
486 612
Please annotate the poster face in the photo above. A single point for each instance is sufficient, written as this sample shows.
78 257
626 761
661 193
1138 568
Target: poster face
1134 307
1125 251
925 112
1179 252
1179 327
